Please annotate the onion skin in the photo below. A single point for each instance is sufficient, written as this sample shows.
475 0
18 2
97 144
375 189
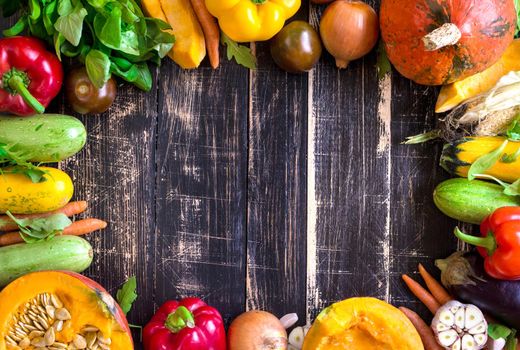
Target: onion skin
257 330
349 30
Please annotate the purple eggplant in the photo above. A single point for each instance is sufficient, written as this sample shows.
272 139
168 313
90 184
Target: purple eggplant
464 276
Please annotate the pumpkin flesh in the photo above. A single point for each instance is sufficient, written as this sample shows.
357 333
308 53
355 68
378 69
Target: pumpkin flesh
486 26
86 303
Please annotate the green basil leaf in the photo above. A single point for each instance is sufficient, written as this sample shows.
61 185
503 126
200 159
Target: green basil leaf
137 74
71 25
59 39
64 7
50 16
498 331
35 10
17 28
98 67
127 295
486 161
513 130
98 4
241 54
108 29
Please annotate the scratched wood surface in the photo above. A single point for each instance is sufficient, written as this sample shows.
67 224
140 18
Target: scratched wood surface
263 190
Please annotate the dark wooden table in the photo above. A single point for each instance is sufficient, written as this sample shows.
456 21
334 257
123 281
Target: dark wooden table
264 190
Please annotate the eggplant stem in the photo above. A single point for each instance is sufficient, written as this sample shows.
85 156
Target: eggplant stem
489 242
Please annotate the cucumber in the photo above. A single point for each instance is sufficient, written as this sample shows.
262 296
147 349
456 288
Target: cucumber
471 201
43 138
60 253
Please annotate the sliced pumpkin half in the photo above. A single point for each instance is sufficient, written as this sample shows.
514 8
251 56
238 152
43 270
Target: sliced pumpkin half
362 324
56 309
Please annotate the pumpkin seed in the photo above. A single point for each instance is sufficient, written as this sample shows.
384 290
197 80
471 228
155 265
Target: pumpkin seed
24 343
38 342
58 326
79 342
103 340
88 329
50 336
91 339
50 311
56 301
59 345
62 314
35 334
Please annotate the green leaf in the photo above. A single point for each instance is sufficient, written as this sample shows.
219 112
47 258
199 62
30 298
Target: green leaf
37 230
513 189
510 158
511 341
517 6
17 28
137 74
50 14
59 39
486 161
498 331
127 295
108 29
20 164
384 66
513 130
64 7
35 10
98 68
241 54
71 25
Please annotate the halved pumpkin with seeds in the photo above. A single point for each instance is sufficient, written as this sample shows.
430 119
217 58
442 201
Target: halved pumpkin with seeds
55 310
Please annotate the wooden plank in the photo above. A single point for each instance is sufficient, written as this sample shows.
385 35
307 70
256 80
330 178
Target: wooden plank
276 223
115 172
201 186
420 232
349 183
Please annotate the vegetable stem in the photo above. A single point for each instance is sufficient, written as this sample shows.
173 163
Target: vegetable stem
18 84
489 242
180 319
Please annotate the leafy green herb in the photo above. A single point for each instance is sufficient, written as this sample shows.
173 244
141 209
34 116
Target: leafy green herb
127 294
486 161
37 230
18 163
511 341
384 66
517 6
498 331
98 33
510 158
242 54
513 130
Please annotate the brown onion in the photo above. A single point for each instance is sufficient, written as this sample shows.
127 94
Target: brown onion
257 330
349 30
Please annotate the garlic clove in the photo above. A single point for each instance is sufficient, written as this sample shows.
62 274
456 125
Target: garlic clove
468 342
447 318
481 339
448 337
456 345
473 316
460 318
441 327
289 320
296 337
480 328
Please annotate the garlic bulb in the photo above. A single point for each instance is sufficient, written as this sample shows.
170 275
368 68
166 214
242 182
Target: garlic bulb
296 337
460 327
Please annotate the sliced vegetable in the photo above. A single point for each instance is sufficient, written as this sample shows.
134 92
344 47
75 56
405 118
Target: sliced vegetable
456 93
75 310
460 327
349 30
436 42
464 276
246 20
189 324
84 97
62 253
471 201
362 323
19 195
257 330
31 76
44 138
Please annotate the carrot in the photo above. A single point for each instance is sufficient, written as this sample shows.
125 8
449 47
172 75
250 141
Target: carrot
70 209
422 294
425 332
211 31
77 228
437 290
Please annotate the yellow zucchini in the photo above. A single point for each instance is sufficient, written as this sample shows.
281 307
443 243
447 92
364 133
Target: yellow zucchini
20 195
458 156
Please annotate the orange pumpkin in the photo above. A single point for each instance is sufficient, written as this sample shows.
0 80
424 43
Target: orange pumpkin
60 309
436 42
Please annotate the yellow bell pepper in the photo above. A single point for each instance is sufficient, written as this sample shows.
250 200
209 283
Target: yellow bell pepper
252 20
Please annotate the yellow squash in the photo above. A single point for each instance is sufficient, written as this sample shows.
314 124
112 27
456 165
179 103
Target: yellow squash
362 324
458 156
454 94
20 195
190 48
252 20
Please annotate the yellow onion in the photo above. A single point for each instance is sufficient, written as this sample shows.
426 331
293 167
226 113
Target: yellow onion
257 330
349 30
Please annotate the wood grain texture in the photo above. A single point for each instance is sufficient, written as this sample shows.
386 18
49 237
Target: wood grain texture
201 186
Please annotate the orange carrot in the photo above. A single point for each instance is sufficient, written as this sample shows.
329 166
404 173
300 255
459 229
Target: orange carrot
425 332
77 228
422 294
70 209
437 290
211 31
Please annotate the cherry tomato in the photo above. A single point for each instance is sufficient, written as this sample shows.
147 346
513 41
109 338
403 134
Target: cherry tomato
84 97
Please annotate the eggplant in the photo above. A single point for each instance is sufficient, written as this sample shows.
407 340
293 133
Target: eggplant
464 276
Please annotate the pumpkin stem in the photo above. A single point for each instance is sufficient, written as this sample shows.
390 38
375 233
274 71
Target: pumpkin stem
446 35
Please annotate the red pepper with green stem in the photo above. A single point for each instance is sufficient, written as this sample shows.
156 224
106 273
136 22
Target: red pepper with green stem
188 324
30 76
499 244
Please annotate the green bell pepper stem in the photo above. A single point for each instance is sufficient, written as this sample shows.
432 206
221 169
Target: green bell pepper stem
180 319
489 242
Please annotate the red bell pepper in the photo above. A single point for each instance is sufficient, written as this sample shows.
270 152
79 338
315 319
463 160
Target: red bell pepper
499 244
188 324
30 76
